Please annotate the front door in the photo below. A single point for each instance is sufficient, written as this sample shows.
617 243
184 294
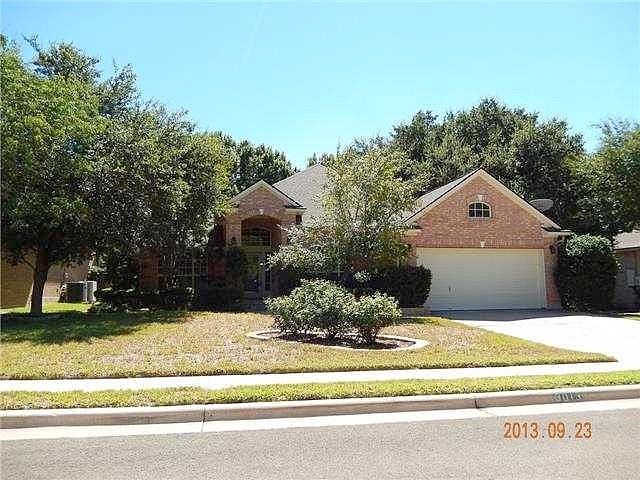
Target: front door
258 283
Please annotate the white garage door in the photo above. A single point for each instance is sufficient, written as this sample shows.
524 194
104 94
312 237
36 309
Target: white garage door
479 278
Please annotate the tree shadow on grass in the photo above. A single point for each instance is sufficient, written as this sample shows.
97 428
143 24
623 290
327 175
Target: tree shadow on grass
60 328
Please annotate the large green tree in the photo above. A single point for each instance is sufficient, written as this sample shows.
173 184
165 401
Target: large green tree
365 200
528 154
608 181
49 127
88 167
256 162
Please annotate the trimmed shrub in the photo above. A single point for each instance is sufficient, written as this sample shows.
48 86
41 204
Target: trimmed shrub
323 306
315 305
176 298
371 313
408 284
221 295
135 299
289 317
586 273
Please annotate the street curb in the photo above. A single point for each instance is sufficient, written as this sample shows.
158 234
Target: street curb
306 408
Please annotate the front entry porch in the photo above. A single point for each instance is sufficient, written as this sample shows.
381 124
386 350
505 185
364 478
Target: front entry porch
260 236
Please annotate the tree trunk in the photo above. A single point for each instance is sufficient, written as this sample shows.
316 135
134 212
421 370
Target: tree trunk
40 273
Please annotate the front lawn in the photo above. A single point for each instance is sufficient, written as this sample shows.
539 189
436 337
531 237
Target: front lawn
71 345
53 307
314 391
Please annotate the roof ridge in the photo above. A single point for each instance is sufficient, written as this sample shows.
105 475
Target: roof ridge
301 171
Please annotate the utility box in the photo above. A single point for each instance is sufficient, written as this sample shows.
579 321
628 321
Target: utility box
76 292
92 286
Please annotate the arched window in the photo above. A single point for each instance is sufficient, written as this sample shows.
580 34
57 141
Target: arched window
479 210
256 237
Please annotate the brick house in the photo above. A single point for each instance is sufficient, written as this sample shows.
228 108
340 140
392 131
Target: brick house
627 250
486 246
16 281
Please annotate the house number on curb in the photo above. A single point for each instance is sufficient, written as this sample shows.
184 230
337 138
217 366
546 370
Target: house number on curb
566 397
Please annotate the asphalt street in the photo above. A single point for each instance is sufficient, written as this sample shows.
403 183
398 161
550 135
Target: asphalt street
459 448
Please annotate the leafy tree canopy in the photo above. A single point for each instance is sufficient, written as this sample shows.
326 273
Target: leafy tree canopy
254 163
89 167
526 153
49 128
362 223
607 181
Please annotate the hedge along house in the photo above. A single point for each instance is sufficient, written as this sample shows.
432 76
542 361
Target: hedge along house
487 247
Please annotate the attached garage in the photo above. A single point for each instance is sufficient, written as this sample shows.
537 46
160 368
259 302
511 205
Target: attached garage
479 278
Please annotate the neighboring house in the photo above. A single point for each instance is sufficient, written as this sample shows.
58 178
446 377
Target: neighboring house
627 249
485 245
16 282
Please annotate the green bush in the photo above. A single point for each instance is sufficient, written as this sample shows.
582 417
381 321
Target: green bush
408 284
221 295
315 305
323 306
227 292
135 299
586 273
371 313
175 298
289 317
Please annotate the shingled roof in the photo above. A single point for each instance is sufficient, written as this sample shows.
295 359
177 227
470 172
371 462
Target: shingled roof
305 187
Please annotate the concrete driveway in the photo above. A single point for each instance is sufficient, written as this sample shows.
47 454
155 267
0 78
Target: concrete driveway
614 336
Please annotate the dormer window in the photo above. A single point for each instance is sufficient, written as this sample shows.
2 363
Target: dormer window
479 210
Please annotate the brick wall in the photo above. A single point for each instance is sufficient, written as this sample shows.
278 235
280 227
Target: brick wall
259 203
510 226
262 206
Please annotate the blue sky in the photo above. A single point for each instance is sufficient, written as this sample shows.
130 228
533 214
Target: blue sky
306 77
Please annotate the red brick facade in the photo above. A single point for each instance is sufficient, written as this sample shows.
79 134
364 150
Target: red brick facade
510 226
263 206
445 225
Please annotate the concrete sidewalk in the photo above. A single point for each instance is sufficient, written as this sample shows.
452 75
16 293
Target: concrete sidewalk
216 382
202 413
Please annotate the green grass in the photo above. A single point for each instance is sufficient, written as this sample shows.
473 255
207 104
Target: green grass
87 345
54 307
270 393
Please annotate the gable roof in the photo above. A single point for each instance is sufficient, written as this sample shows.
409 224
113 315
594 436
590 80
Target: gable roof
306 188
627 240
303 190
428 198
433 198
289 202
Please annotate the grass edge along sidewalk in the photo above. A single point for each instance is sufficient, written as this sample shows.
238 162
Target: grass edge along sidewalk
270 393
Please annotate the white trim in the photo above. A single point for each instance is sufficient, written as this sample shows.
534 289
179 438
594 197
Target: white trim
545 300
295 210
557 234
499 186
263 184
